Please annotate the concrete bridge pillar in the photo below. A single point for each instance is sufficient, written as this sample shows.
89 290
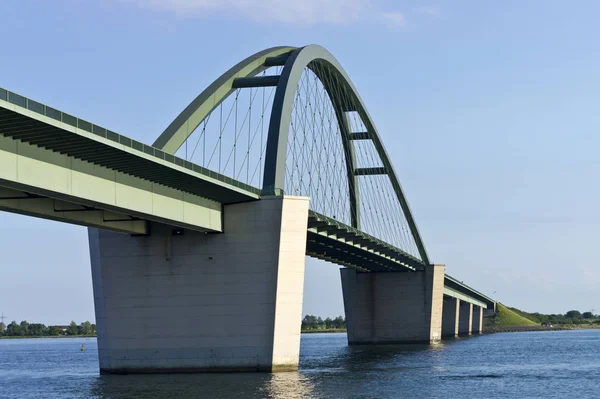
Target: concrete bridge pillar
194 302
393 307
450 317
465 319
477 320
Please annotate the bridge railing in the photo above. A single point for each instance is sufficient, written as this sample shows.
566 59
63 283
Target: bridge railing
78 123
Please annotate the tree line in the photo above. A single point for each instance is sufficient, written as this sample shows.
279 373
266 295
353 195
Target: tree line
311 322
570 317
25 329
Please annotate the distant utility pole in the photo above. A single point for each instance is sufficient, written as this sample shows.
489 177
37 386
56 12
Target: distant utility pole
2 318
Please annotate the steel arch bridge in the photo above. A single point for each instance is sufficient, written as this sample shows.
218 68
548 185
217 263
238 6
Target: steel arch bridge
285 120
280 143
320 142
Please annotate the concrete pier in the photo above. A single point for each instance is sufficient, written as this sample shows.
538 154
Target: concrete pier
450 317
477 327
194 302
465 321
393 307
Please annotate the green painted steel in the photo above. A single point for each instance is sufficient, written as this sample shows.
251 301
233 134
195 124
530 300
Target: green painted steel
451 292
294 61
459 286
25 203
350 158
42 181
369 171
256 81
361 251
188 120
41 125
275 158
360 136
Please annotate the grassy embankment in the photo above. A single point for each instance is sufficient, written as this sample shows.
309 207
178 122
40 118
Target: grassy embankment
512 319
509 317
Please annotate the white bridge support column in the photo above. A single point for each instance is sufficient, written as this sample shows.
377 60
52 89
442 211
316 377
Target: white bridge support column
203 302
477 326
465 321
393 307
450 317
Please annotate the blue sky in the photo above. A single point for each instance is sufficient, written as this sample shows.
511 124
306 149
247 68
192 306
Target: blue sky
489 109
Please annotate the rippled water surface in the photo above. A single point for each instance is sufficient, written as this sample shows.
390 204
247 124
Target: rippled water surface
511 365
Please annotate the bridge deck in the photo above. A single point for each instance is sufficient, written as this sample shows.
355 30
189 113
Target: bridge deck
32 122
457 289
36 124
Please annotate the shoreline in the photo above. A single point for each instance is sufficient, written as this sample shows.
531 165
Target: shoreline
560 327
330 330
489 330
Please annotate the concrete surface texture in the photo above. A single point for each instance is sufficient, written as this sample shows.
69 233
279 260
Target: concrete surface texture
203 302
393 307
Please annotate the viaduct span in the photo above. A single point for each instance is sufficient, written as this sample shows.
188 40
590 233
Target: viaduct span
198 242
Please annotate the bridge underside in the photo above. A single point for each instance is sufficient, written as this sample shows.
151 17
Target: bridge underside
339 243
336 242
35 205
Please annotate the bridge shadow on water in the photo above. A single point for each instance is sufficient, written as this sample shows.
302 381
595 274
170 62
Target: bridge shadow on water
230 385
366 357
328 368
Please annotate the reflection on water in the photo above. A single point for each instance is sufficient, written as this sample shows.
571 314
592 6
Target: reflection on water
290 385
323 356
538 364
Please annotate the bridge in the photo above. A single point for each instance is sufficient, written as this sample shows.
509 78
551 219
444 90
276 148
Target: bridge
198 242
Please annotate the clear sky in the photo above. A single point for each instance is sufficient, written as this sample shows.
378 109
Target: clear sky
491 111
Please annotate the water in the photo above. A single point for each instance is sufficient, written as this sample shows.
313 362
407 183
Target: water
511 365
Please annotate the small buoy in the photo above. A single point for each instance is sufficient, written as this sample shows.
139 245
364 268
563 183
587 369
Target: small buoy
82 348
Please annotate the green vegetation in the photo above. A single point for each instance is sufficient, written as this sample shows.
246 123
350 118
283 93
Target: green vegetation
25 329
571 317
513 317
508 317
312 323
526 315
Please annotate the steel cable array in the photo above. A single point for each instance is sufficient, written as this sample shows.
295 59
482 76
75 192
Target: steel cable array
232 140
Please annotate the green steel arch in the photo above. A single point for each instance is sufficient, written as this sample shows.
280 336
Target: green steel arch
188 120
294 62
279 125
